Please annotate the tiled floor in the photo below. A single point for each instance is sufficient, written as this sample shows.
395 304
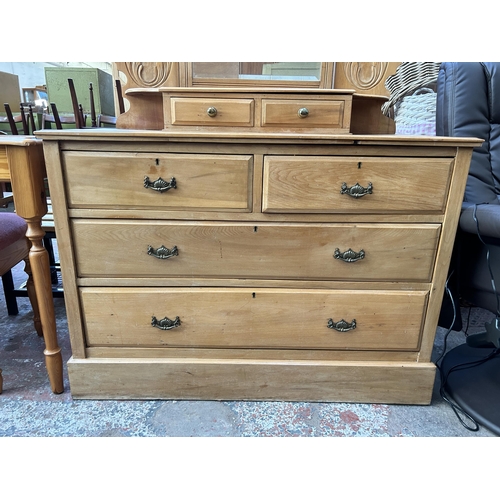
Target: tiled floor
29 408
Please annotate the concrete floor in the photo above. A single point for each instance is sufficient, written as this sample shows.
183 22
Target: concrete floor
29 408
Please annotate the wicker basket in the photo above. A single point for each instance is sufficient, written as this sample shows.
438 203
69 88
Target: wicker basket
409 77
412 102
416 114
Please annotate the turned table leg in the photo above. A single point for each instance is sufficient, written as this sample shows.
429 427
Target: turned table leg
27 171
40 269
30 287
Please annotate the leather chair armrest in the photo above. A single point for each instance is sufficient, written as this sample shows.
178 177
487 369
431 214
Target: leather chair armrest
482 219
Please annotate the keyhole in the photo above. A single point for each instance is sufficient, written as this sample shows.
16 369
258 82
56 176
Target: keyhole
359 164
255 229
157 161
253 295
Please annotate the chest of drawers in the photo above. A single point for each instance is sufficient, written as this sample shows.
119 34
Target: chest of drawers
258 266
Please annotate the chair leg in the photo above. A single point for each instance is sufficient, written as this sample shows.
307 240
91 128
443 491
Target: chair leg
93 117
121 104
76 108
30 287
57 120
10 298
5 200
47 243
10 117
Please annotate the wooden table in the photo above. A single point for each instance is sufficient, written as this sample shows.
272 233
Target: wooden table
27 173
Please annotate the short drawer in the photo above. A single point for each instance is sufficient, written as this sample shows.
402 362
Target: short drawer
355 184
212 112
169 181
362 252
225 317
330 114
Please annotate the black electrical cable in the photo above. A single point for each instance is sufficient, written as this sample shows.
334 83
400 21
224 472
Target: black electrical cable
474 216
457 409
466 330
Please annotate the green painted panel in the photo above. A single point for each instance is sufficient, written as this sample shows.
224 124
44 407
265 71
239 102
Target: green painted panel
102 83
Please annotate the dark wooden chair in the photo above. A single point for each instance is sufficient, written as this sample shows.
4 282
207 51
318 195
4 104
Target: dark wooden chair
101 119
95 120
54 118
4 120
29 118
98 120
80 118
105 120
5 197
26 118
15 247
5 187
15 120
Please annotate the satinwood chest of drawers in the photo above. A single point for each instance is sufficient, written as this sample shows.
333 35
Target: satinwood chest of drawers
200 264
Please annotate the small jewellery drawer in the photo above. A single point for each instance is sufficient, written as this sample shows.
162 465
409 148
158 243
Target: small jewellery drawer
355 184
148 180
306 114
213 112
361 252
225 317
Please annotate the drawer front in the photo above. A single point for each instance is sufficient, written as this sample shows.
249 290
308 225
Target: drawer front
355 184
170 181
213 317
361 252
212 112
304 114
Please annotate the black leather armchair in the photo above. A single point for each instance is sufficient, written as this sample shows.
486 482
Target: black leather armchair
468 105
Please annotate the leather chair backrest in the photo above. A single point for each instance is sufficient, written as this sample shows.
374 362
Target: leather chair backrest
468 105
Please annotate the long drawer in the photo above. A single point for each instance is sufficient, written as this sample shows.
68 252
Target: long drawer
355 185
170 181
266 318
383 252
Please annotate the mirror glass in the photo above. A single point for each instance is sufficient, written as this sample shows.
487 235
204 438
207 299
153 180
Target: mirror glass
273 71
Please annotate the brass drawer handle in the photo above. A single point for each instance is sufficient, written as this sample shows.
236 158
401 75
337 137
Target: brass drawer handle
159 184
303 112
163 252
356 191
212 111
349 255
165 323
342 325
